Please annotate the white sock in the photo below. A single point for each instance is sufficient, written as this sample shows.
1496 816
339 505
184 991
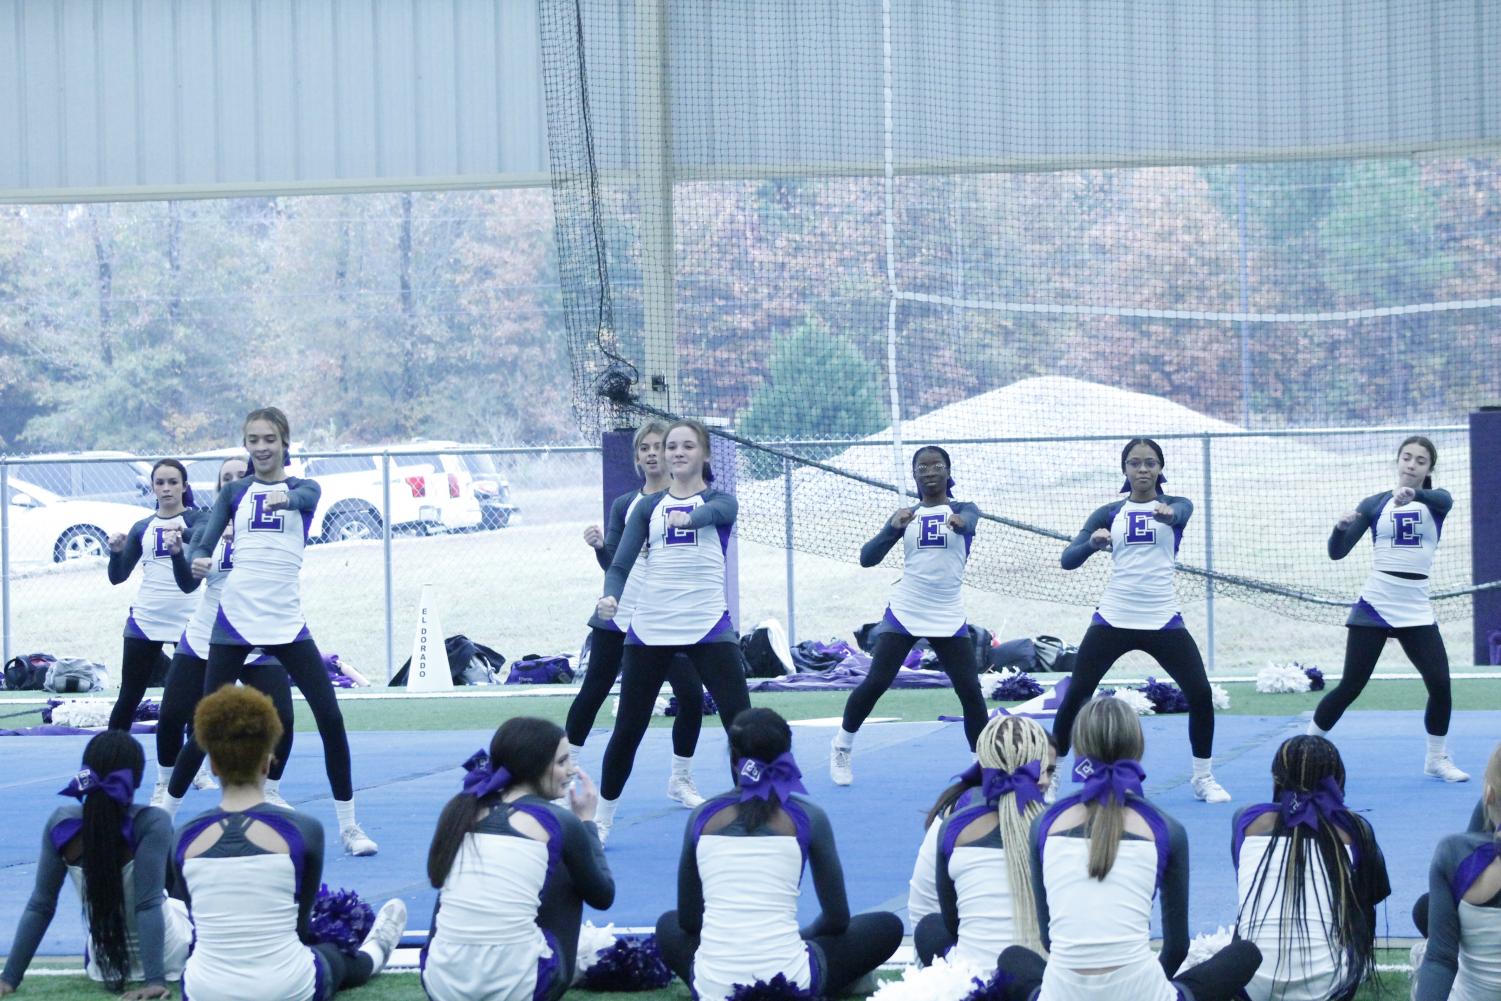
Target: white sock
1203 768
273 788
1314 730
604 814
844 740
682 766
171 804
573 755
163 776
344 810
1436 746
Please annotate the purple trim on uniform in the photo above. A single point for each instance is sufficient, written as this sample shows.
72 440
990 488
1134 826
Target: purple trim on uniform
1243 824
1363 614
67 829
183 646
800 822
610 626
724 538
1176 622
724 625
549 821
320 978
302 634
969 540
297 848
547 967
222 624
895 623
1468 871
1145 810
1099 620
957 822
632 638
132 630
307 525
815 970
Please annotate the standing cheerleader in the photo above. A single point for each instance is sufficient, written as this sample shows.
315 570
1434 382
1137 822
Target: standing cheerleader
680 607
607 636
1462 959
983 864
925 604
1310 875
1139 609
513 872
1405 525
115 852
739 880
1099 857
181 760
250 873
162 607
260 605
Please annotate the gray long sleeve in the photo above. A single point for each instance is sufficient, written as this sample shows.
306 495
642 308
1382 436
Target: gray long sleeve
828 876
614 529
40 907
874 551
632 539
153 832
1342 540
1435 978
1080 549
122 563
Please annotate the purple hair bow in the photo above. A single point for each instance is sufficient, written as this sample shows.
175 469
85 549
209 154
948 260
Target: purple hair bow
778 778
480 780
1105 779
119 786
1302 808
996 783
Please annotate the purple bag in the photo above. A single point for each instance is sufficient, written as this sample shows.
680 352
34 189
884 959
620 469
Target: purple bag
536 670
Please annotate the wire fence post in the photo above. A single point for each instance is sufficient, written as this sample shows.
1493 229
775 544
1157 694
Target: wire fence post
4 562
385 535
787 521
1208 553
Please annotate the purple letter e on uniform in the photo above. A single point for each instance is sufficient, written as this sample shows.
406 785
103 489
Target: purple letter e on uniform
930 532
679 536
1139 528
262 520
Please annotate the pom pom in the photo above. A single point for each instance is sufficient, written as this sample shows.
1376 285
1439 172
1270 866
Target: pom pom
1206 945
1219 697
945 980
671 707
993 989
592 942
1136 700
779 988
47 709
81 713
341 919
1276 678
627 965
1165 696
1315 679
148 710
1009 686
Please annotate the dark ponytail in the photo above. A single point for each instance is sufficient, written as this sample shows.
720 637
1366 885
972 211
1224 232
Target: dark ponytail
1417 439
187 490
764 735
105 853
524 746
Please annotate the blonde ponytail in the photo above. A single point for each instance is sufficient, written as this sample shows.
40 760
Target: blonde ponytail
1007 743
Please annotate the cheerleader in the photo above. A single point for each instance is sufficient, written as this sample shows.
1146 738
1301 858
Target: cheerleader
1139 609
1462 960
250 873
1310 875
1099 857
513 871
680 607
739 878
1404 525
925 604
607 636
982 862
115 852
162 607
260 605
182 760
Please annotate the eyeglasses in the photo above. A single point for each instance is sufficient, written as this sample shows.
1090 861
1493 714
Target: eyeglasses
1135 464
925 469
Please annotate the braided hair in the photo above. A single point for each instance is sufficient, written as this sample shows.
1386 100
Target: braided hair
105 853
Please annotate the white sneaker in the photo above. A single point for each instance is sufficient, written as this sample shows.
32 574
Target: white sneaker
358 843
274 797
159 795
839 765
385 934
603 827
205 778
1442 766
681 788
1210 791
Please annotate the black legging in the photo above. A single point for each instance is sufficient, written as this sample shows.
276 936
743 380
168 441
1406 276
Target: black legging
139 660
304 664
605 648
869 941
643 672
956 655
1221 977
931 939
1363 645
342 970
180 697
1177 653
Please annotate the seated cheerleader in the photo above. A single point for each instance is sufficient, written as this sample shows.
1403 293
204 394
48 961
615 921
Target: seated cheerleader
1462 961
982 863
250 873
514 871
115 851
1310 876
1098 858
739 876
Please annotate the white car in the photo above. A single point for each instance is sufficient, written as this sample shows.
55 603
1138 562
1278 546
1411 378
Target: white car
423 497
46 528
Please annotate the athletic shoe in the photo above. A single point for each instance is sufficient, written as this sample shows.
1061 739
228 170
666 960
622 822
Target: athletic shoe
274 798
603 827
1442 766
159 796
385 934
357 842
681 788
1210 791
205 778
839 765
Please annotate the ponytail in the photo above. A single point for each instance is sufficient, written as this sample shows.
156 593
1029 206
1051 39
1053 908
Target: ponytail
105 852
1107 731
1008 743
455 823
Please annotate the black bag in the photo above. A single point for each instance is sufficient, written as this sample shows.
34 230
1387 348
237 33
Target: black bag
28 673
758 659
1044 653
461 651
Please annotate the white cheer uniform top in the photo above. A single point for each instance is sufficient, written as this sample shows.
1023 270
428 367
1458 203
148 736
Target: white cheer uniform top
974 880
927 601
1404 542
1144 551
161 607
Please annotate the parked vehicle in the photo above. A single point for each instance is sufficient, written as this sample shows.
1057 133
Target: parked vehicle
46 528
423 498
490 489
67 476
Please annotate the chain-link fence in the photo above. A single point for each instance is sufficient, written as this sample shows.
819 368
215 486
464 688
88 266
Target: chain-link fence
498 533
